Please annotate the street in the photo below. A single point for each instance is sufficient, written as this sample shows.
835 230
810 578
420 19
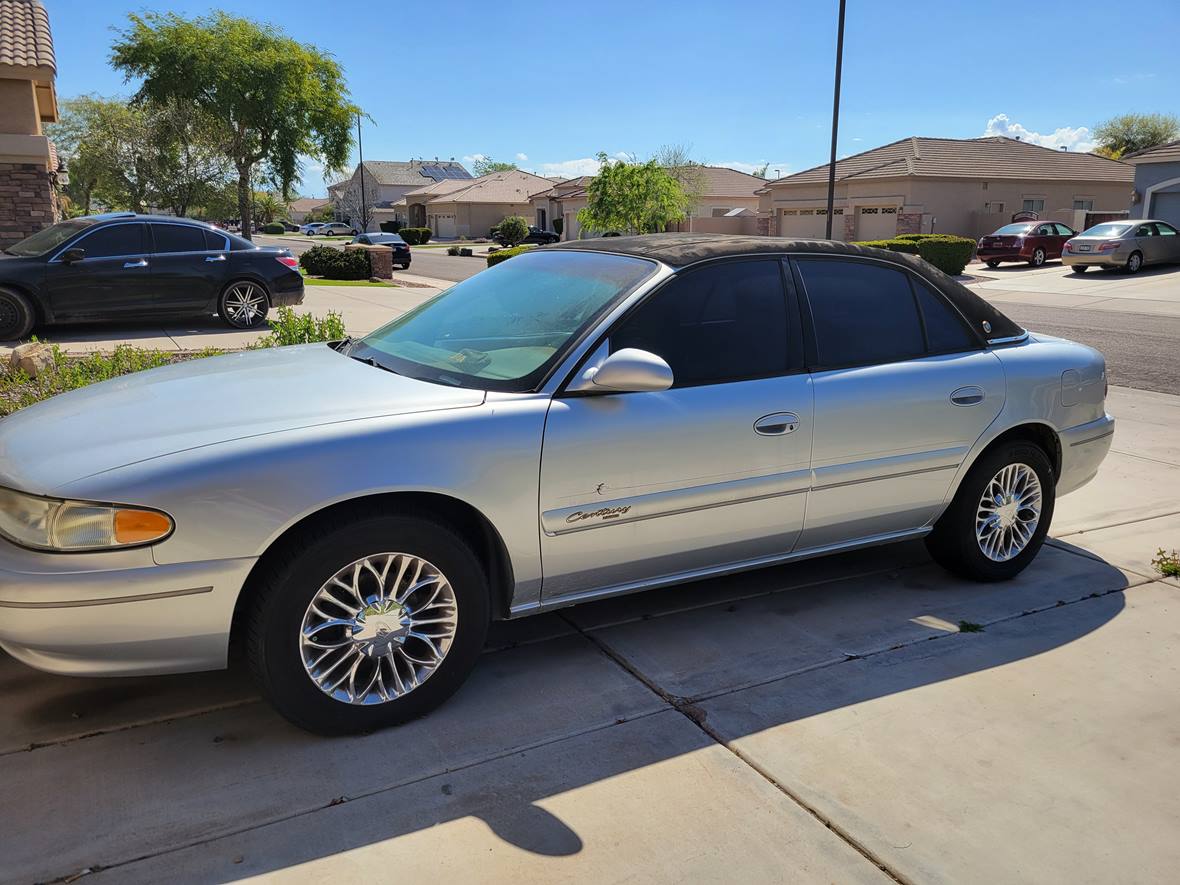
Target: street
432 263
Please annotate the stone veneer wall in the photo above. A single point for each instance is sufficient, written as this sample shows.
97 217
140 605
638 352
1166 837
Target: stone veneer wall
28 201
909 222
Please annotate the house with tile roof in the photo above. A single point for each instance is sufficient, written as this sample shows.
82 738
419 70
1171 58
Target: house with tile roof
965 186
480 204
299 210
386 183
1157 183
28 100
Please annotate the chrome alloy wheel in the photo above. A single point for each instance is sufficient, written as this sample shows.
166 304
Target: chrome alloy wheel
378 628
245 304
1007 516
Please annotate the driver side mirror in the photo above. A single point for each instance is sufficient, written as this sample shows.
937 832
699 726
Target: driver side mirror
71 255
629 370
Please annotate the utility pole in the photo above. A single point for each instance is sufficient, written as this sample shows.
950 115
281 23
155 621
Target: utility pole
364 225
835 118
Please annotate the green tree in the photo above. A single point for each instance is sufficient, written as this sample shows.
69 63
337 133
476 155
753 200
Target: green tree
268 207
638 198
190 156
276 98
512 231
1128 133
106 145
486 166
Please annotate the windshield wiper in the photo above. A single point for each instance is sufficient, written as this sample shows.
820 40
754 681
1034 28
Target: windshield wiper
369 361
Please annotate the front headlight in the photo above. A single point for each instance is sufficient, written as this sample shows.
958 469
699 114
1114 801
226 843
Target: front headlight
52 524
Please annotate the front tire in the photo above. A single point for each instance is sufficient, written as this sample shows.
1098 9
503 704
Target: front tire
998 520
16 315
369 624
243 305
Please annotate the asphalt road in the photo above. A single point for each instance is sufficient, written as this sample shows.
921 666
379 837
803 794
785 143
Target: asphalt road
1141 351
434 263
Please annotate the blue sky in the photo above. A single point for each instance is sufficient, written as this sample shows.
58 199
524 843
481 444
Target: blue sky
549 85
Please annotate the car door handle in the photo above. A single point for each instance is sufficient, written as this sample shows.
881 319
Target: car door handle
215 258
967 396
129 264
777 424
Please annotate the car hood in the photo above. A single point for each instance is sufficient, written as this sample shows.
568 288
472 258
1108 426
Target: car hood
199 403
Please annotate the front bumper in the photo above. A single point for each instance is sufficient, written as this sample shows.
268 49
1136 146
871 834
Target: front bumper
116 613
1082 450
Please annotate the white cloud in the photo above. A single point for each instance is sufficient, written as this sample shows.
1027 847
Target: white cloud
474 158
751 168
520 158
569 168
1075 139
1125 79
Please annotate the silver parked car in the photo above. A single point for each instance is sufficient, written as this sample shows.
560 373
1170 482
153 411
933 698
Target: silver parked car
1123 244
580 421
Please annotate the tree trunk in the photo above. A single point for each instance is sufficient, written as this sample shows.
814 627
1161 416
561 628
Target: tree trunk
245 212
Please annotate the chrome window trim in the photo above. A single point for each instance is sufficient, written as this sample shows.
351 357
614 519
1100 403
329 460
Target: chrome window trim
73 244
1012 339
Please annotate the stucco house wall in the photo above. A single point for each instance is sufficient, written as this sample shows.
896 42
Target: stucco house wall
1157 183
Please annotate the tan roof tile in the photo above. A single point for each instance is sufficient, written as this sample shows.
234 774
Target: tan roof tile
25 38
989 157
499 187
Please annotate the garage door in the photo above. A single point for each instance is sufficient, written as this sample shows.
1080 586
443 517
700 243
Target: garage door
444 225
801 223
876 222
1166 207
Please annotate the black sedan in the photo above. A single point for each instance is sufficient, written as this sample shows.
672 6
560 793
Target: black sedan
128 266
401 249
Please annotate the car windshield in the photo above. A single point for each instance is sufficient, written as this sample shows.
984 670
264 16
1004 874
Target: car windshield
1012 230
1107 229
49 239
504 328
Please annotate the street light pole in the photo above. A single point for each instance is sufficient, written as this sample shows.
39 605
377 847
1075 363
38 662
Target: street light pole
835 118
361 153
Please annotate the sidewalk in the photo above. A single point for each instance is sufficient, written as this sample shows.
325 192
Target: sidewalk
1154 290
823 721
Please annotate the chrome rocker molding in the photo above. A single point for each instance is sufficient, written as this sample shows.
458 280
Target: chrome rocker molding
715 571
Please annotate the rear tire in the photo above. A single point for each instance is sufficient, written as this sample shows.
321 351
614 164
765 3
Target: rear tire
292 588
1079 268
1134 263
993 263
243 305
16 315
968 538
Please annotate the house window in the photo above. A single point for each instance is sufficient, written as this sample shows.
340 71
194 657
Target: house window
1084 205
1033 206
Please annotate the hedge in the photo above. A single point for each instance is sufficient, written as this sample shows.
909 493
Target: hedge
391 227
415 236
949 254
336 264
504 254
273 228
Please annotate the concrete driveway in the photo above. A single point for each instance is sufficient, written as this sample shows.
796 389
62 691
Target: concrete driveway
1154 290
826 721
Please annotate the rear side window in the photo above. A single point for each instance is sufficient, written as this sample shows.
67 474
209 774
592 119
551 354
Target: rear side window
114 241
214 241
178 238
1063 231
862 313
945 332
725 322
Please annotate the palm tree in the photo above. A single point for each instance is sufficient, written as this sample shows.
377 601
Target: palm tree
267 207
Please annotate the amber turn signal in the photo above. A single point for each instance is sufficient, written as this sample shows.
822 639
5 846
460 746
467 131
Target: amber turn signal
140 526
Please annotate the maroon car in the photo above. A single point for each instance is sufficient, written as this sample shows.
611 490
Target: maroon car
1033 241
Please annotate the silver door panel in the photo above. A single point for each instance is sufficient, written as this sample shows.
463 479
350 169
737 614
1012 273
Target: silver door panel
889 438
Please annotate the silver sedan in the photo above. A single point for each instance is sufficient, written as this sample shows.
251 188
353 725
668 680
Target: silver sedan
1129 245
578 422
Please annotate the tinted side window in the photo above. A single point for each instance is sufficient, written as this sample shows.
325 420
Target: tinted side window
945 331
727 322
114 241
178 238
1165 230
1064 231
214 241
863 313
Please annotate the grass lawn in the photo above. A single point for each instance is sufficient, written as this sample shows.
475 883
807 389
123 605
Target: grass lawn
316 281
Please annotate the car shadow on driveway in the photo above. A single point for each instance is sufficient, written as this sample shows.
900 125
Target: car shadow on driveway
213 785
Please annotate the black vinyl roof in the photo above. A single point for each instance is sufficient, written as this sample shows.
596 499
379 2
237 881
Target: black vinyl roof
681 250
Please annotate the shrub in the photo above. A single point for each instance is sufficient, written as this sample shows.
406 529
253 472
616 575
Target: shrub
288 327
949 254
415 236
452 250
391 227
504 254
558 224
336 264
512 231
273 228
